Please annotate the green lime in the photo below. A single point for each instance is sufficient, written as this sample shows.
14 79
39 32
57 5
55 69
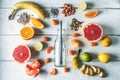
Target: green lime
86 57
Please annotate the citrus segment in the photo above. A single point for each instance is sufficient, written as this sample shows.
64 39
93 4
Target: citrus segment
92 32
27 33
36 23
82 5
21 53
91 14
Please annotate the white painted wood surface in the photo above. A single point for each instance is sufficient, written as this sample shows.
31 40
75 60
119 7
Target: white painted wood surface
109 19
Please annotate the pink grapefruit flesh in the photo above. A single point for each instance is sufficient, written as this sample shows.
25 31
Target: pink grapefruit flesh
92 32
21 53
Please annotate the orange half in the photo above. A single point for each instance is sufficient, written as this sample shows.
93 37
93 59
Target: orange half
91 14
27 33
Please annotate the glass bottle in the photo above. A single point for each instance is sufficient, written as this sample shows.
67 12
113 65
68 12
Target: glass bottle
60 49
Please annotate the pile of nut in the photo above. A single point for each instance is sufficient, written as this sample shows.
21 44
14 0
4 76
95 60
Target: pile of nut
68 10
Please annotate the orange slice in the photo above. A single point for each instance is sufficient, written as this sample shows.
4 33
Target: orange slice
27 33
36 23
91 14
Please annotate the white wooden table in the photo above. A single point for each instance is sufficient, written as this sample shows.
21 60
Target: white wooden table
109 19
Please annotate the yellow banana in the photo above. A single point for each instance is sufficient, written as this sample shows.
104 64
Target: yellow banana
26 5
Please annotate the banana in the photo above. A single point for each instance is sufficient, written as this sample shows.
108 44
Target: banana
26 5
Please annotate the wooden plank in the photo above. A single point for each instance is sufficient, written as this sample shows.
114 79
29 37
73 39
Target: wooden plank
8 43
11 70
56 3
106 19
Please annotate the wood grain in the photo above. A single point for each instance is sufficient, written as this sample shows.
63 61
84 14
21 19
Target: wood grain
108 18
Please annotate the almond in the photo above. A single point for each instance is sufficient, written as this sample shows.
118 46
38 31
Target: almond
54 22
71 52
65 69
75 35
47 60
93 44
45 39
53 71
49 49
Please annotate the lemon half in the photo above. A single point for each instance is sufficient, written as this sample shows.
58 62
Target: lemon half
38 45
82 6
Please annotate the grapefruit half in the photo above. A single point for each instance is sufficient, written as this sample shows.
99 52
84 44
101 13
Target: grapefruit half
21 53
92 32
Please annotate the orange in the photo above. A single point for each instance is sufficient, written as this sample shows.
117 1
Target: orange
91 14
36 23
27 33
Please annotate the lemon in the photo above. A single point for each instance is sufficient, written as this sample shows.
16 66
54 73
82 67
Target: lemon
38 46
103 57
82 5
106 41
86 57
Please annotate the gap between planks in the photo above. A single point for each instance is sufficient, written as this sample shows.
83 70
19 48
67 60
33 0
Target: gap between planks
60 8
54 34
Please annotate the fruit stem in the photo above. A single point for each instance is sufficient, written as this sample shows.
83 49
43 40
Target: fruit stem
11 16
79 51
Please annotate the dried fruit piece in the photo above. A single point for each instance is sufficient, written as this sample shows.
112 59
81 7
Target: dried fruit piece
53 71
101 74
91 71
93 44
27 33
94 69
65 69
83 69
38 45
47 60
36 64
75 35
49 49
36 23
87 72
71 52
54 22
91 14
45 39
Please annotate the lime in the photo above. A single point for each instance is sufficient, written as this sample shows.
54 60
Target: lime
86 57
103 57
38 46
82 5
